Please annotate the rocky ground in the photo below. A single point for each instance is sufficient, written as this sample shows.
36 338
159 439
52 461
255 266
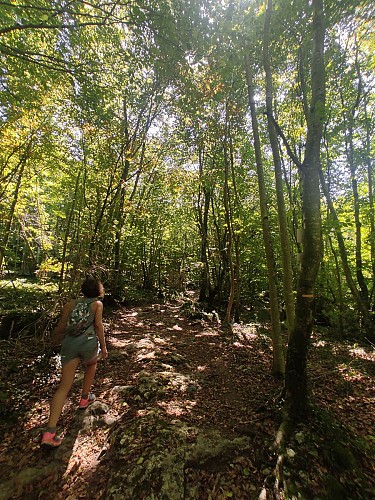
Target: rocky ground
186 410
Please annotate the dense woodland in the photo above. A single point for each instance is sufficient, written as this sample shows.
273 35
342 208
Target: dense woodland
224 148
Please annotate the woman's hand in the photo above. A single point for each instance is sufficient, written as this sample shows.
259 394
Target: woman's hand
104 353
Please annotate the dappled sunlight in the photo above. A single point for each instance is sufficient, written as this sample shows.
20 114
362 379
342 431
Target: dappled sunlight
159 341
320 343
360 352
208 333
179 381
142 356
350 374
179 317
202 368
176 374
246 334
175 408
118 343
342 381
248 328
84 462
145 343
175 327
142 412
240 344
336 353
166 367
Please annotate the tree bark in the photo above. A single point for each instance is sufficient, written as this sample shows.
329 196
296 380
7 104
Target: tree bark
228 220
296 394
278 367
203 207
283 223
370 174
67 233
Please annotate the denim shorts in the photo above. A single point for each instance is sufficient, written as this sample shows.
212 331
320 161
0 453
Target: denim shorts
84 347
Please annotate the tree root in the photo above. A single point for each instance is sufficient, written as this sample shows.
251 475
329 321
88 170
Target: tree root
275 483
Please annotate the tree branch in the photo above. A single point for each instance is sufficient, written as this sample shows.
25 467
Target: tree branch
99 18
46 61
290 152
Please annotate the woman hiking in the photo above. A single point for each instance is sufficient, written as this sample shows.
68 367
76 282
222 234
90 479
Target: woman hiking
82 330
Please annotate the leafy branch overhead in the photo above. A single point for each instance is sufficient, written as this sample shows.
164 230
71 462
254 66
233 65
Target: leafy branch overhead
19 17
216 154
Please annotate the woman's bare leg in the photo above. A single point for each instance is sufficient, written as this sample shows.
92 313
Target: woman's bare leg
88 379
57 403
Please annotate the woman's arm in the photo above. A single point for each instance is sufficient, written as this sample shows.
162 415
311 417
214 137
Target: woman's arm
99 328
61 325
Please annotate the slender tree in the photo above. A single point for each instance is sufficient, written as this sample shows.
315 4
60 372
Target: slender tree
283 223
277 343
296 397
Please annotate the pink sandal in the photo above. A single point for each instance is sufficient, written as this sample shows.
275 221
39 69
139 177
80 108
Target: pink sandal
84 403
50 440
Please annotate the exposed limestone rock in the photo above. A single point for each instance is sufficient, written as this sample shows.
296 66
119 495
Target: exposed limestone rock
151 456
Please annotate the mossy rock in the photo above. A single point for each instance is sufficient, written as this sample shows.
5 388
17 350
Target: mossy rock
151 453
343 457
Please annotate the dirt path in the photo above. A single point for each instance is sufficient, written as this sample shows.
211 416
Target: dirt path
164 367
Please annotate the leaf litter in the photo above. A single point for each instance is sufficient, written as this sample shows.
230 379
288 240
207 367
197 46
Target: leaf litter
200 374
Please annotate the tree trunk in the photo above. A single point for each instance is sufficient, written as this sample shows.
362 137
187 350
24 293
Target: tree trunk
370 174
283 224
362 306
67 233
228 220
203 209
116 286
278 354
339 285
350 153
296 395
8 225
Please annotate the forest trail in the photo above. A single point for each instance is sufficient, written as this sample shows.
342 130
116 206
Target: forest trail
188 391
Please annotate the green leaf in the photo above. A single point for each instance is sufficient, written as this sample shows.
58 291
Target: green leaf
300 437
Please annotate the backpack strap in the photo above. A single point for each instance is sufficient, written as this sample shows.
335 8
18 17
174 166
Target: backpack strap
91 322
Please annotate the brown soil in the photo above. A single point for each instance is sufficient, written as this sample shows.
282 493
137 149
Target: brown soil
221 380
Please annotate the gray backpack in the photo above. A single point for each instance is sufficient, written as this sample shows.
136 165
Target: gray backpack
79 319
